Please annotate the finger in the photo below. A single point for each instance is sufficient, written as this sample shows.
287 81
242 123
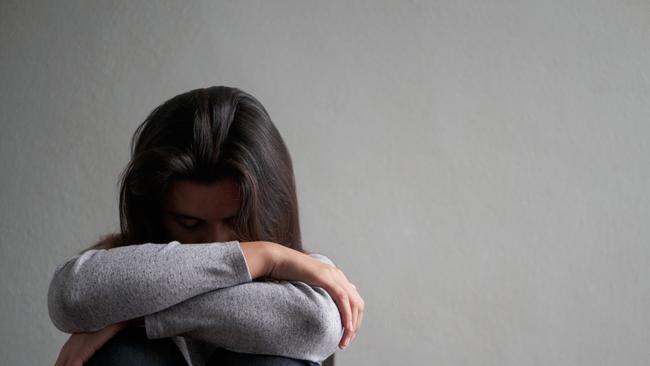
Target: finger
355 312
59 361
360 318
350 328
355 301
361 311
346 312
62 358
356 304
353 333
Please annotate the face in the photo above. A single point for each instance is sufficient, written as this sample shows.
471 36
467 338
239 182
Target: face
196 212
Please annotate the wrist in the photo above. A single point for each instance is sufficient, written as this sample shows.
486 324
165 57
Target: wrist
274 259
260 257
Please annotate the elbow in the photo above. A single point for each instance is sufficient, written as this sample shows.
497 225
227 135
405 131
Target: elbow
326 328
65 311
60 309
331 332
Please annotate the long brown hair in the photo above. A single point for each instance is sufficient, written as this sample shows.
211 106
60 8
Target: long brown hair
206 135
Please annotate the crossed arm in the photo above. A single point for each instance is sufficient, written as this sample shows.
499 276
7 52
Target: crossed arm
203 291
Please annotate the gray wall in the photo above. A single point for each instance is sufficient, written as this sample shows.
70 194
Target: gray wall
479 169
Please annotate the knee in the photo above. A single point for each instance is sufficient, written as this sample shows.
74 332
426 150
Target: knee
226 357
132 347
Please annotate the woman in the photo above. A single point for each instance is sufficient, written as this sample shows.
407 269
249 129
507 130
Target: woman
209 256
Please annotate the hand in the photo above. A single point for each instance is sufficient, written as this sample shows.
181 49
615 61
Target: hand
81 346
290 264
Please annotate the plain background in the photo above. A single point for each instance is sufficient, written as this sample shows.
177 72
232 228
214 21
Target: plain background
479 169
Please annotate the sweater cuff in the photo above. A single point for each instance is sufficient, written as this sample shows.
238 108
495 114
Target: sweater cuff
239 263
232 269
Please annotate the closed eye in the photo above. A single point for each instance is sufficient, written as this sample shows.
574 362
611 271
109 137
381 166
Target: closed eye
188 222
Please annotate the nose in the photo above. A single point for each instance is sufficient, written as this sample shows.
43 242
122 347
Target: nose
220 233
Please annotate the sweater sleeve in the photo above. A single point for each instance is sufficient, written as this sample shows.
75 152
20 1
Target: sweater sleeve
282 318
100 287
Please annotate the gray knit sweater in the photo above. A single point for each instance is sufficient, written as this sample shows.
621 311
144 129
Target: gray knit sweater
202 296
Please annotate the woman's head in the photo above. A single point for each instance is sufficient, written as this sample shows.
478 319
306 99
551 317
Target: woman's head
209 165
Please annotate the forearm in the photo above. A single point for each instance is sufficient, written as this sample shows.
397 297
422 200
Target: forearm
259 257
284 318
102 287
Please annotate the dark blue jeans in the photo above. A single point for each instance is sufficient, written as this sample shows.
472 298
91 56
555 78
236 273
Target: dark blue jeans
132 347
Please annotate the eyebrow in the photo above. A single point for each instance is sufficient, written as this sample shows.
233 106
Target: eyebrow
182 215
190 217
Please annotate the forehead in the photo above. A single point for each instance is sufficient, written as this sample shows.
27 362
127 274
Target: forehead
203 199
